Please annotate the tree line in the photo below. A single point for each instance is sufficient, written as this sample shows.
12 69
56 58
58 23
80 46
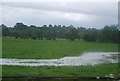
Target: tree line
51 32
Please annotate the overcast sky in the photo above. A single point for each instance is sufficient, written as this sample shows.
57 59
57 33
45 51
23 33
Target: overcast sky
86 14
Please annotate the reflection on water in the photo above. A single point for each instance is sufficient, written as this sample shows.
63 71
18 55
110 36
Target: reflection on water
88 58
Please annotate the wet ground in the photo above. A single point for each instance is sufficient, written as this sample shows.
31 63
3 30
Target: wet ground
87 58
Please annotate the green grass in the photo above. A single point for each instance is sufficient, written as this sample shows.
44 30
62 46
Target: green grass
49 49
52 71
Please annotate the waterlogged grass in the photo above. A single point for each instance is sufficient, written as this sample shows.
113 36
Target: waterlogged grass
51 49
101 70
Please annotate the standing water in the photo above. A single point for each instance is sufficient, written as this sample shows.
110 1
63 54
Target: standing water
88 58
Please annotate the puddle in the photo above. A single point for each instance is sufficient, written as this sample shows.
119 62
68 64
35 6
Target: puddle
88 58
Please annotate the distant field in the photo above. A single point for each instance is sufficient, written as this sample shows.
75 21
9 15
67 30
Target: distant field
49 49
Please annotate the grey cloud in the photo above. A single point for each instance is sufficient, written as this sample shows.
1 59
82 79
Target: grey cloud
94 8
92 14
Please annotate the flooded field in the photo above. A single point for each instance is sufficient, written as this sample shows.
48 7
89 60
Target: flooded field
87 58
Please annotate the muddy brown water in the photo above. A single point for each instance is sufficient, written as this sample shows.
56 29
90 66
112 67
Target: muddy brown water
87 58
